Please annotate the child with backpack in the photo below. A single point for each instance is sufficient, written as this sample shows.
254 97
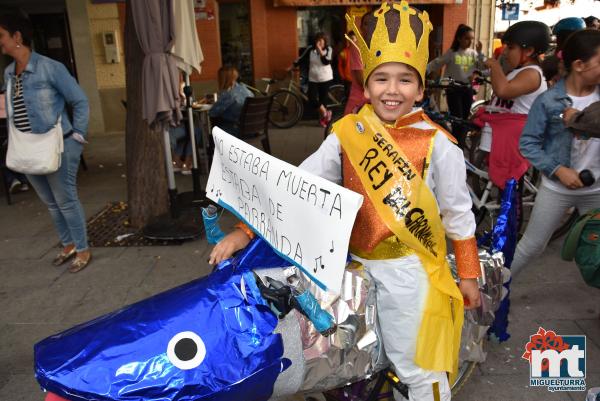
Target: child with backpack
564 159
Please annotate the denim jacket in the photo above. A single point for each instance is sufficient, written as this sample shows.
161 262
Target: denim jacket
47 86
228 107
546 141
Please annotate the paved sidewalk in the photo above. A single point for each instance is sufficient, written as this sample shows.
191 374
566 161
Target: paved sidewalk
39 300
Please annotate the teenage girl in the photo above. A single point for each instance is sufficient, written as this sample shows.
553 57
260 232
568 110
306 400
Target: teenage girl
559 155
461 62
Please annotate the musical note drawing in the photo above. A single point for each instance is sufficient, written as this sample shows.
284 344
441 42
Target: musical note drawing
332 247
318 262
212 189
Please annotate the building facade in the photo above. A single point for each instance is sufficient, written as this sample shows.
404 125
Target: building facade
260 37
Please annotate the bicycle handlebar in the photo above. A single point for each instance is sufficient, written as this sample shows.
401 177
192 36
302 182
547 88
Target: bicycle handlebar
448 118
446 83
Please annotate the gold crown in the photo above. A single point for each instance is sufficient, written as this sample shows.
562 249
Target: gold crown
409 45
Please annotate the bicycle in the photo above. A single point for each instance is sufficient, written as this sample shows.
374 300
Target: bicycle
447 120
485 195
288 102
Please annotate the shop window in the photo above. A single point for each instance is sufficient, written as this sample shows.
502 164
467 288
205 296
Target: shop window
236 45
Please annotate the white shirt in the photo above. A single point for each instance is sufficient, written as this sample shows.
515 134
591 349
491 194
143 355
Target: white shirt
446 177
585 154
317 71
520 104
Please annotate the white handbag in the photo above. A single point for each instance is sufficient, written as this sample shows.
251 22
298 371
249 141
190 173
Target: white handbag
36 154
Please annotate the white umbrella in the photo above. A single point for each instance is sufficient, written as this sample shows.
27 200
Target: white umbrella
154 27
186 49
188 56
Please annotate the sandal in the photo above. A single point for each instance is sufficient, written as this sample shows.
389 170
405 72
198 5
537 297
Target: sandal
63 256
79 264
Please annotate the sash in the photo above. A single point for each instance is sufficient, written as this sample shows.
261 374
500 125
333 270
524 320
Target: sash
409 209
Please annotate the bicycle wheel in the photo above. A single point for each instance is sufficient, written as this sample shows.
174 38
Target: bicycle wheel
336 95
363 390
464 373
479 159
286 109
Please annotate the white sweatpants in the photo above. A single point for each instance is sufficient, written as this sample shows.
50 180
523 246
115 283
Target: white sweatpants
549 208
402 286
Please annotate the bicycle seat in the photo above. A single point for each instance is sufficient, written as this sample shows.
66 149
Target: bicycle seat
270 81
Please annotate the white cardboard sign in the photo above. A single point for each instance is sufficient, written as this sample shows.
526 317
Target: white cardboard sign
305 218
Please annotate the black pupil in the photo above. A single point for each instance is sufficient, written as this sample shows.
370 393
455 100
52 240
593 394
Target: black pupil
186 349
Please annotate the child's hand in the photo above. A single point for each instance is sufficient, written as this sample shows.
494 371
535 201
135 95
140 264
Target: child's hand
232 243
470 290
568 113
569 177
479 46
491 63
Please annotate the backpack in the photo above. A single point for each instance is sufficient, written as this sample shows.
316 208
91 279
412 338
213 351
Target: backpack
583 244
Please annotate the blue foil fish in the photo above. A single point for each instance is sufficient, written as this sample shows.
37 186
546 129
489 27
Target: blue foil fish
210 339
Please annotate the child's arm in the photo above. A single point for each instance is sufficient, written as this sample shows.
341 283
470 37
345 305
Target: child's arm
586 121
233 242
525 82
326 162
449 176
439 62
531 146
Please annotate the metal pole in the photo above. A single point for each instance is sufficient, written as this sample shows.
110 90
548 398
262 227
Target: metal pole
187 90
170 174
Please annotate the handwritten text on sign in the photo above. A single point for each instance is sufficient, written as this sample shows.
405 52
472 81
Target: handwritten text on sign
305 218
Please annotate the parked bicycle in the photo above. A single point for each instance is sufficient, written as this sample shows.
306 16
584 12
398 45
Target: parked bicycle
288 100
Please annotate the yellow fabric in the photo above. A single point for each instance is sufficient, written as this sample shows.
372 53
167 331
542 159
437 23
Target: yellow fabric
400 199
389 248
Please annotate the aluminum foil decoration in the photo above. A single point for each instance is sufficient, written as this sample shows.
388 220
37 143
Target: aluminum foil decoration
217 339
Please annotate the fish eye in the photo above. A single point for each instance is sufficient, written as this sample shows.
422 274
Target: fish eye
186 350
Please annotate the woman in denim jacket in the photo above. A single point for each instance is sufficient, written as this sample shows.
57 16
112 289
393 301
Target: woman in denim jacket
549 145
231 98
40 90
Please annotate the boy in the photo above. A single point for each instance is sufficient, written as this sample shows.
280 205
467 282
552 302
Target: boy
410 174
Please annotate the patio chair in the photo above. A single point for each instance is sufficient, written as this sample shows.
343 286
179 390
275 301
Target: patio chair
254 120
253 123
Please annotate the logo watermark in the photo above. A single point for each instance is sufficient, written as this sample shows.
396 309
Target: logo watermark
556 362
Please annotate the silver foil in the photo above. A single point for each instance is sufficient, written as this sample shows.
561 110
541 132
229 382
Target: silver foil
477 321
354 351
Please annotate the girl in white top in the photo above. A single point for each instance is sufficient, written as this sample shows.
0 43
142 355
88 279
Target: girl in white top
515 93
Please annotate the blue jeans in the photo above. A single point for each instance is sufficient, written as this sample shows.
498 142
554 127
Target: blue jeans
177 137
59 192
